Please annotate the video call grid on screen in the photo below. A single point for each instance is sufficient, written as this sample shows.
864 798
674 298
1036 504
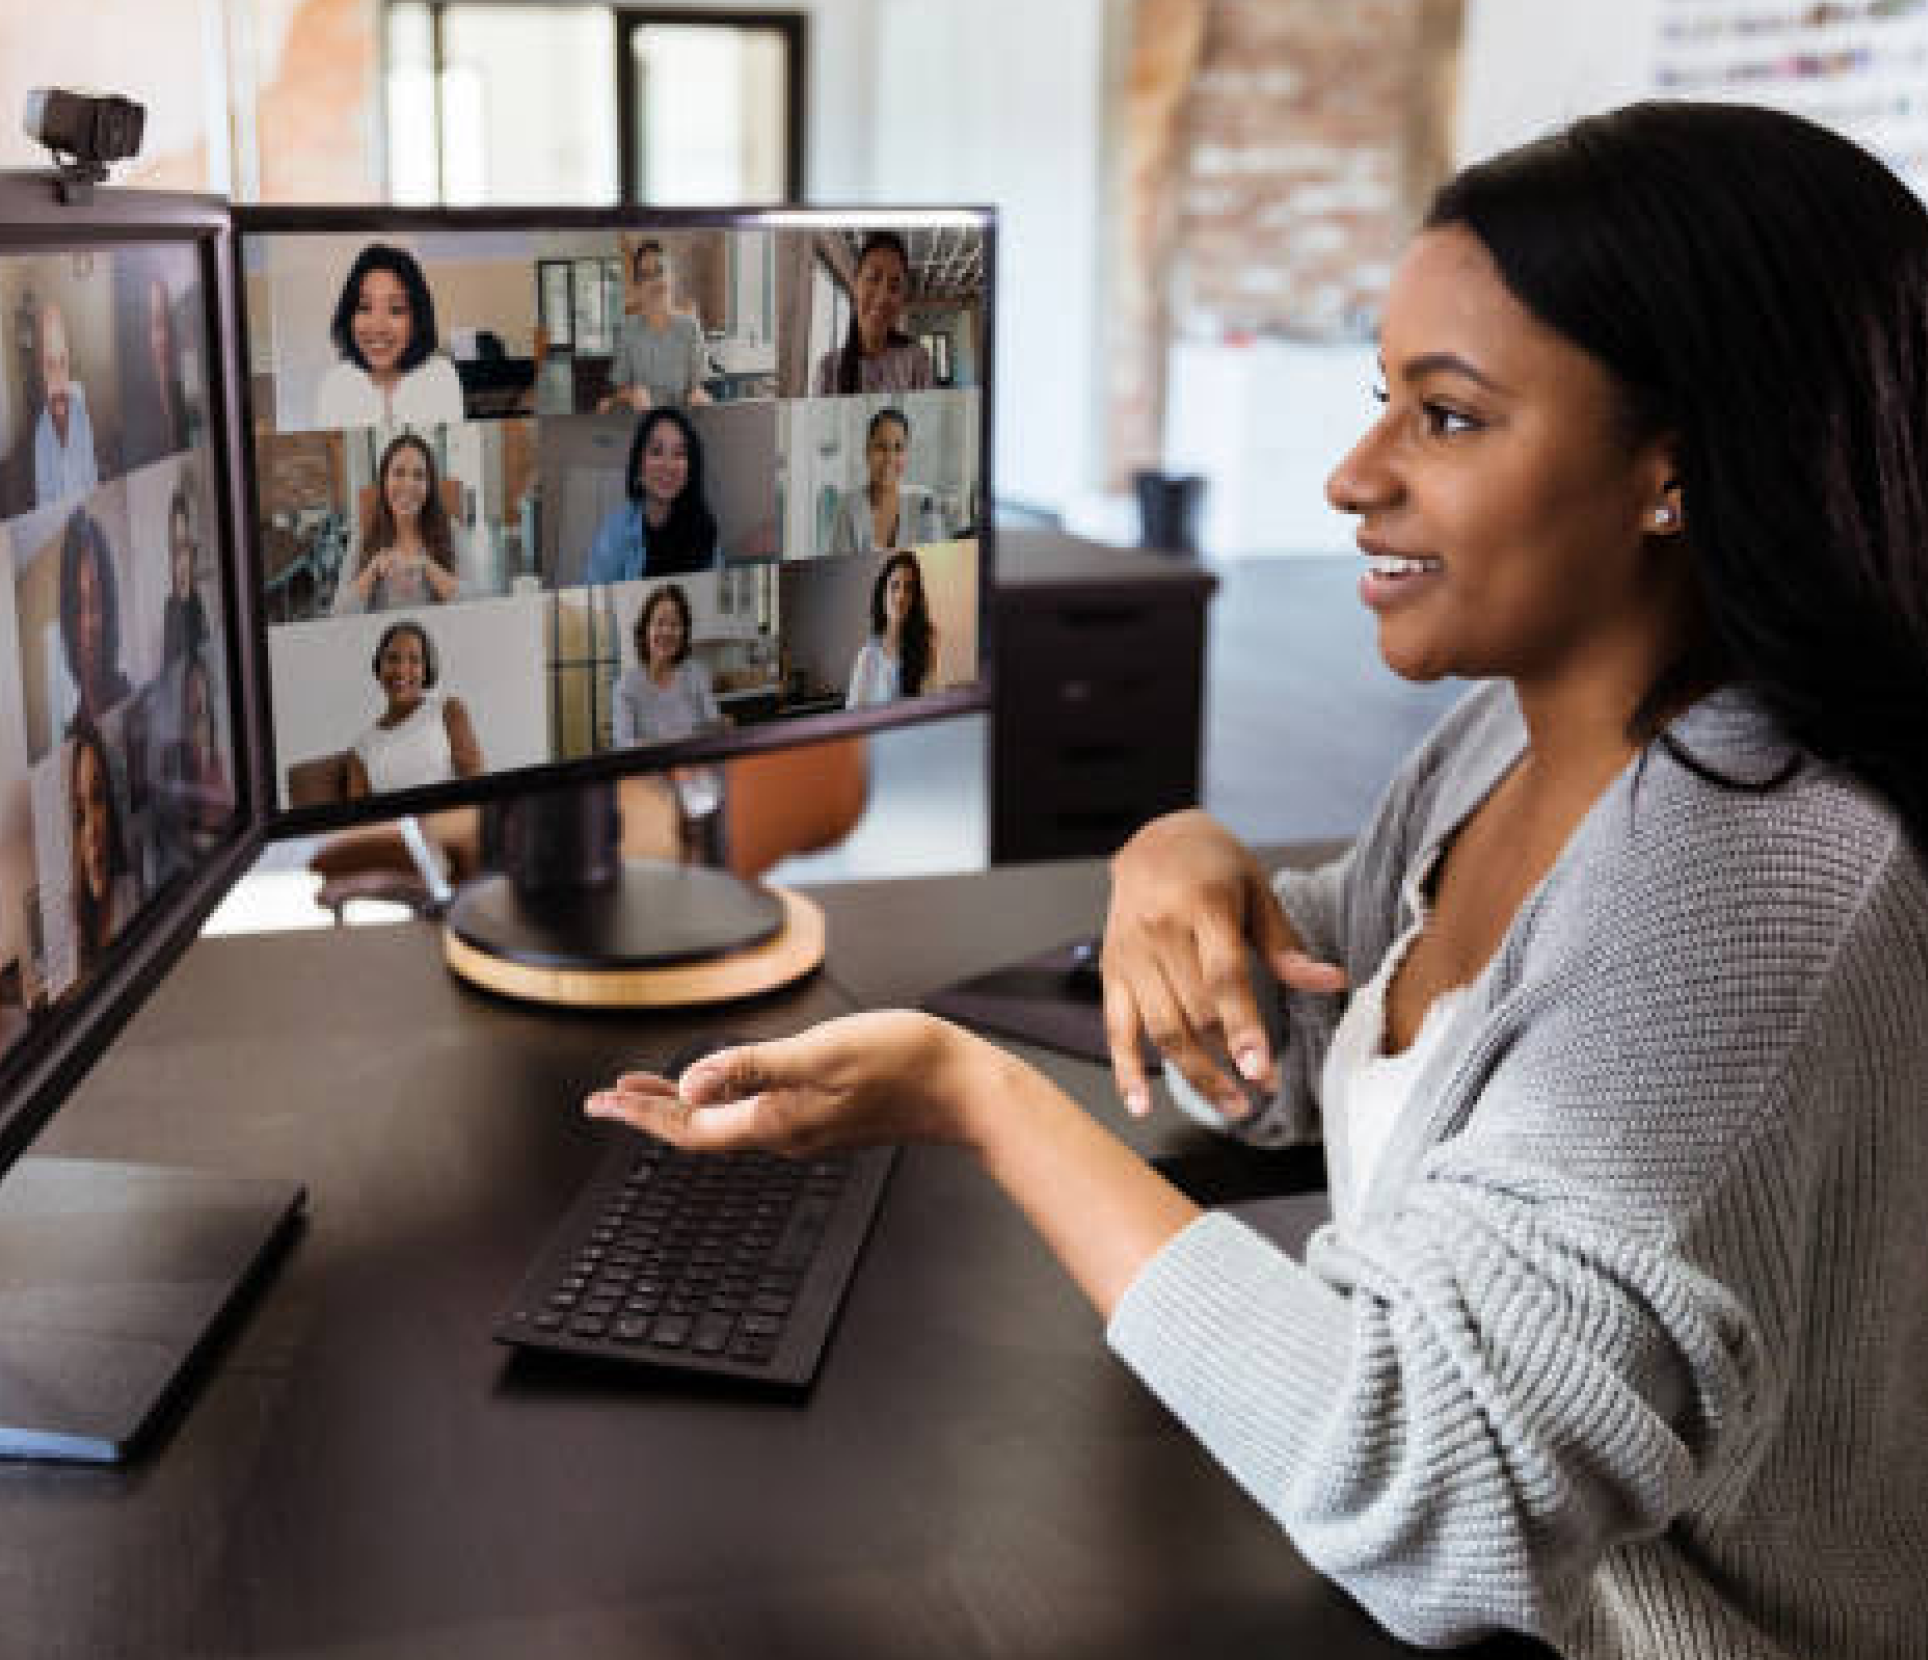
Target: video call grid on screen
118 770
537 490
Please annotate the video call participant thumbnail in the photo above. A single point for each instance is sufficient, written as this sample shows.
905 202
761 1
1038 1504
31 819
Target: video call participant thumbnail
390 371
899 658
407 554
196 791
184 619
64 461
876 355
884 512
101 874
90 618
154 398
661 357
667 694
666 526
422 736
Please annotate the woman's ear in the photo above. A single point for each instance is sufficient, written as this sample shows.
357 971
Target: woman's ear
1663 510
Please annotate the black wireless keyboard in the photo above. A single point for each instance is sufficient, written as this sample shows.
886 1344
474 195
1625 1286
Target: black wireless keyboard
733 1264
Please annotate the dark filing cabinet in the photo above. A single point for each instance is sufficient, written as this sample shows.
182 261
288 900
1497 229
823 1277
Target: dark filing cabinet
1100 693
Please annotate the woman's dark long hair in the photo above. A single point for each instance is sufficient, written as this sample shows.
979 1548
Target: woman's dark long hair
917 648
1758 286
686 541
84 542
850 360
379 532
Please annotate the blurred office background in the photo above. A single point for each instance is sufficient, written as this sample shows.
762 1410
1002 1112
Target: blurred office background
1201 203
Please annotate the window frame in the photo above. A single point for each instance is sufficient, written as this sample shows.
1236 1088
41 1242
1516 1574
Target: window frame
793 26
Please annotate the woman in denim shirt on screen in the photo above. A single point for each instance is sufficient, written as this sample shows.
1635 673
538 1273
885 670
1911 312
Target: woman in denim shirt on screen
666 526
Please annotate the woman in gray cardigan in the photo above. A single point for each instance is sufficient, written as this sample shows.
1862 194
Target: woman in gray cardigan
1617 1336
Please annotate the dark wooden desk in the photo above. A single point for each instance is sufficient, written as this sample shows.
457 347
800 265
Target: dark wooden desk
363 1474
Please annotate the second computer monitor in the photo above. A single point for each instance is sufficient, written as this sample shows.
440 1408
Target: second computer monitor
596 493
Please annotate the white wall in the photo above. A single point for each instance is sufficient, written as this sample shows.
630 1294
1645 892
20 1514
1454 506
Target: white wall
1266 424
1000 102
1527 66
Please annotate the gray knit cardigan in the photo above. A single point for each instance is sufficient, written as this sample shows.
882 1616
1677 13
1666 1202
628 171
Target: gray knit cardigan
1626 1342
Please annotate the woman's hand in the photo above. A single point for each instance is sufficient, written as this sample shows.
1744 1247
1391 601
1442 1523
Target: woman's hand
864 1080
1188 903
374 572
443 584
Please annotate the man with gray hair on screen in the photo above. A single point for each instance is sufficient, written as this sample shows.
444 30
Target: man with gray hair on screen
63 439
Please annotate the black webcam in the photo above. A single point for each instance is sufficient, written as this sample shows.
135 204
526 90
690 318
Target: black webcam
86 132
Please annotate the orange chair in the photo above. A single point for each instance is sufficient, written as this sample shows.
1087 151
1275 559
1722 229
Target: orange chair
787 801
782 802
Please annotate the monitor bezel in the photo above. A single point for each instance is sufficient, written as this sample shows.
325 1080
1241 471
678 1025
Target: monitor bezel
52 1058
609 766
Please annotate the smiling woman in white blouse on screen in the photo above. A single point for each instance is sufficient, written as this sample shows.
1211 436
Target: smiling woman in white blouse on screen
390 373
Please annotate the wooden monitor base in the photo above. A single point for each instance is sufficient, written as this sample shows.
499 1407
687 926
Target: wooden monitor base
749 961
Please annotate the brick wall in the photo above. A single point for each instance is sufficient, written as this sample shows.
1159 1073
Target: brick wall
1307 137
297 471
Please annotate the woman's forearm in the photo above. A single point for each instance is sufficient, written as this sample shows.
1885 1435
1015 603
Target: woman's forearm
1102 1210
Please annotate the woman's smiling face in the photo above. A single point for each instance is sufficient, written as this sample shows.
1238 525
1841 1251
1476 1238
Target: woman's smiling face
883 290
402 669
665 633
383 324
405 482
886 453
1504 502
664 466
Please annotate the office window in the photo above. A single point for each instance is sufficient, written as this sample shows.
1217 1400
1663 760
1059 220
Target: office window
500 103
709 115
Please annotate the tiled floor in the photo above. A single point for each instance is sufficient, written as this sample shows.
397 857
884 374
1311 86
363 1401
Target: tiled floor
1304 724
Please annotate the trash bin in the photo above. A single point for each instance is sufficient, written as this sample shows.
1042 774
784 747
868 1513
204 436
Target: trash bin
1168 510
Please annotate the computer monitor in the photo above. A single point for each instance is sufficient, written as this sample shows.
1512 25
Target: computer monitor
472 506
543 497
131 794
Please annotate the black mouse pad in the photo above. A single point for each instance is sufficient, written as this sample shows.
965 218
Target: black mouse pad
1039 1000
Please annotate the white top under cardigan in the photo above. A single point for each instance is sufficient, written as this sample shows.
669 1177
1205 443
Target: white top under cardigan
1363 1090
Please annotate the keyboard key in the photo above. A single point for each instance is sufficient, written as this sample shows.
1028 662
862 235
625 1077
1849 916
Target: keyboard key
713 1333
670 1331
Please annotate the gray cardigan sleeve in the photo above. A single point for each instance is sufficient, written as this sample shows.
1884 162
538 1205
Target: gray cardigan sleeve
1571 1321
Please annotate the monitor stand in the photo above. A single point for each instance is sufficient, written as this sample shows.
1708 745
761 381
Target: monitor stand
114 1279
568 920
